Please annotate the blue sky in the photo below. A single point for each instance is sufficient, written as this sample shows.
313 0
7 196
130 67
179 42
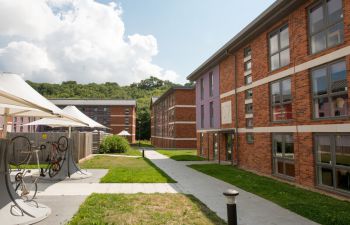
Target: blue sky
188 31
86 41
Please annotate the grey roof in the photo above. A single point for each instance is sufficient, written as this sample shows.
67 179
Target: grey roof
171 90
131 102
271 15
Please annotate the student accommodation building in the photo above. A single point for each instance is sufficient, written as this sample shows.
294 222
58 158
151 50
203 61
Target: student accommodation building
118 115
284 95
173 119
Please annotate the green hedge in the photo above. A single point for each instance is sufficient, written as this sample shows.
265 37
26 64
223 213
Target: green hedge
114 144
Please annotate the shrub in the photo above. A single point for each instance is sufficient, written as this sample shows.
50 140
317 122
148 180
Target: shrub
114 144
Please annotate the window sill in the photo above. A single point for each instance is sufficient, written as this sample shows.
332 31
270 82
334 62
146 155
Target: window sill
331 118
282 121
332 190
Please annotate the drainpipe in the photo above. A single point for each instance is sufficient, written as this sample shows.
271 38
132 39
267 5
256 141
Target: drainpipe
236 105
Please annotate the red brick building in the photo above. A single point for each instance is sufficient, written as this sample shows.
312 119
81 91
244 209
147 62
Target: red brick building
118 115
173 119
284 95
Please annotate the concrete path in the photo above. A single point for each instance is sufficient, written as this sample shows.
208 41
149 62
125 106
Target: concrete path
252 210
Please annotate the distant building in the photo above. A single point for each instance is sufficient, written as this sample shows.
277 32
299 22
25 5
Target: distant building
118 115
173 119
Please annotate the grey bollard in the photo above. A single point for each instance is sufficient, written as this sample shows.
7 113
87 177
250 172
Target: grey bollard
230 195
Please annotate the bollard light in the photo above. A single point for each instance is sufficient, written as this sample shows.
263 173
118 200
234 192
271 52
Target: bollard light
230 195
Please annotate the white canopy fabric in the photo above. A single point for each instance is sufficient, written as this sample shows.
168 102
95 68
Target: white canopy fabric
124 133
74 112
56 122
15 93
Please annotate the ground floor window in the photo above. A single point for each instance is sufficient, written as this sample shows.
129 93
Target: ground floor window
283 155
229 146
215 146
333 161
201 144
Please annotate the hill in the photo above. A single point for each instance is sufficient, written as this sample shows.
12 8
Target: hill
141 91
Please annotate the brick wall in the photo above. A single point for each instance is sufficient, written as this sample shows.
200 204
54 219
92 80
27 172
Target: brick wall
258 155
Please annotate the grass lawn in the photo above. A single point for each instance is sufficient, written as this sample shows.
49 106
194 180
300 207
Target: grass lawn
312 205
127 170
155 209
181 155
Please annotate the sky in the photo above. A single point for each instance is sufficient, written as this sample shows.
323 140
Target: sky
121 41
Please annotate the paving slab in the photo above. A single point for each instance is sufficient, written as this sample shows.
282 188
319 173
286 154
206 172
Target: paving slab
63 208
251 209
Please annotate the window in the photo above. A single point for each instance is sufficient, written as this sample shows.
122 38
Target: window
333 161
248 79
250 138
249 108
330 91
248 65
202 89
247 52
202 116
326 25
211 81
279 48
249 122
283 155
249 94
126 128
281 100
127 111
211 114
126 120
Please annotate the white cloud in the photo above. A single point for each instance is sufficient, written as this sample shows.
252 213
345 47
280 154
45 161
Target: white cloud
82 40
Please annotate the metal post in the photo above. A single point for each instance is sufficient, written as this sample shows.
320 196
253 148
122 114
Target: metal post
143 153
230 195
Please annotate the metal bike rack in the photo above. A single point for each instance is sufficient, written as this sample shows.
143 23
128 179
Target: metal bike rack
13 209
69 169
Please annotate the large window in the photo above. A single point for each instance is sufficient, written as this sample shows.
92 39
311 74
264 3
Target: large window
330 91
281 100
202 89
333 161
211 109
211 82
326 25
283 155
279 48
202 116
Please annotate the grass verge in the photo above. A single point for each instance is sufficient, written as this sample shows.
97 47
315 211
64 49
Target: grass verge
155 209
127 170
182 155
320 208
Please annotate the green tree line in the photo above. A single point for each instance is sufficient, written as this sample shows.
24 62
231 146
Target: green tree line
141 91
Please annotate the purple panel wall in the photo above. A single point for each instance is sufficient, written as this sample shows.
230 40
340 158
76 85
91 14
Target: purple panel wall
207 99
